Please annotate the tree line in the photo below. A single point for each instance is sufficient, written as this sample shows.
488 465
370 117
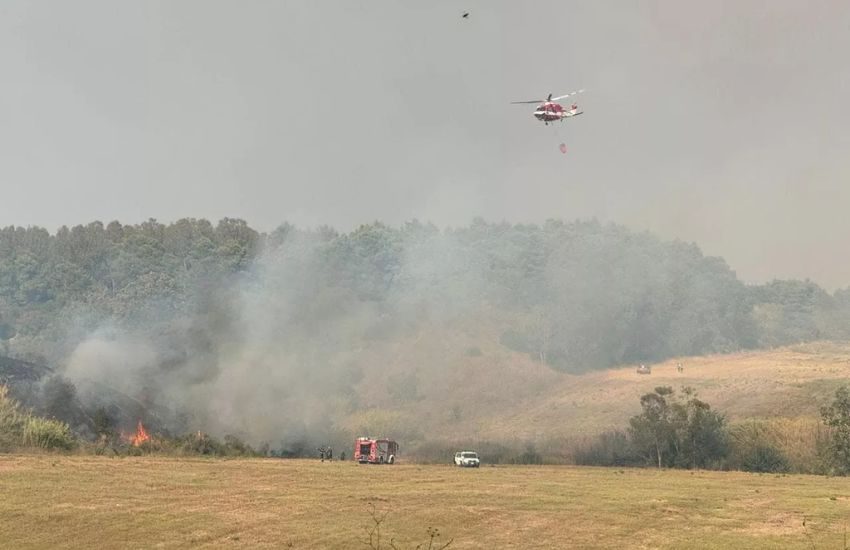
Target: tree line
575 295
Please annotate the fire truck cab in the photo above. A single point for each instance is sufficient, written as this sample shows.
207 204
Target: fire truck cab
375 451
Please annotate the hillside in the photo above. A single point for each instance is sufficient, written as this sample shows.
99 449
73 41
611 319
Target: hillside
298 337
787 383
503 395
448 387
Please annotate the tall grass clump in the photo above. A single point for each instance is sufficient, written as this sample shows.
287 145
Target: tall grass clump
777 445
48 434
12 421
21 429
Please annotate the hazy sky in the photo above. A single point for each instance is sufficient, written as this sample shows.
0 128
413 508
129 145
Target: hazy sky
721 122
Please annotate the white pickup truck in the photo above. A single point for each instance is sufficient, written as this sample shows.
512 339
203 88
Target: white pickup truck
468 459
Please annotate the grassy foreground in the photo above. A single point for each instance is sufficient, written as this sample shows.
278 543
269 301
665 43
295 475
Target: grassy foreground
95 502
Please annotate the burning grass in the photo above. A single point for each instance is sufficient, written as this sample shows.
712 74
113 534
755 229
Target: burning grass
85 502
143 443
139 438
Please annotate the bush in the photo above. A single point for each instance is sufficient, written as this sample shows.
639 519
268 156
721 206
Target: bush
104 424
474 351
236 447
609 449
530 456
764 458
205 444
44 433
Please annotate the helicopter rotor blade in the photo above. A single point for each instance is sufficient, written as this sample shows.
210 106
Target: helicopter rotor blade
567 95
532 101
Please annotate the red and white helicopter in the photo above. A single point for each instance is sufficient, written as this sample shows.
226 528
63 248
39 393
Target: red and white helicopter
549 110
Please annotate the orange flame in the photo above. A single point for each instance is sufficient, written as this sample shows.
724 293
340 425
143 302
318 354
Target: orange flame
140 436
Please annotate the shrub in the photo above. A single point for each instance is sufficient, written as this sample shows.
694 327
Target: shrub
474 351
236 447
202 444
104 424
530 456
764 458
609 449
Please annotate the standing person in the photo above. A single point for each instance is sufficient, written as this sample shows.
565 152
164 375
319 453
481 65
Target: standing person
322 453
330 453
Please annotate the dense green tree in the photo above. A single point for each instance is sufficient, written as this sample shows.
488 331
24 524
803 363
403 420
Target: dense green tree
837 417
678 430
700 432
653 431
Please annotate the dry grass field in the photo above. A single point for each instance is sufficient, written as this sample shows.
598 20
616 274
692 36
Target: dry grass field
95 502
501 395
511 397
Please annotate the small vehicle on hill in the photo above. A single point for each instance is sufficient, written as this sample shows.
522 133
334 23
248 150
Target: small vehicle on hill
467 459
375 451
643 369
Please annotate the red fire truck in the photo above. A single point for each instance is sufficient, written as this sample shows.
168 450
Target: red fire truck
375 451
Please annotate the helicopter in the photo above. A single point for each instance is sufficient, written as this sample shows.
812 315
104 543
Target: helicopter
549 110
